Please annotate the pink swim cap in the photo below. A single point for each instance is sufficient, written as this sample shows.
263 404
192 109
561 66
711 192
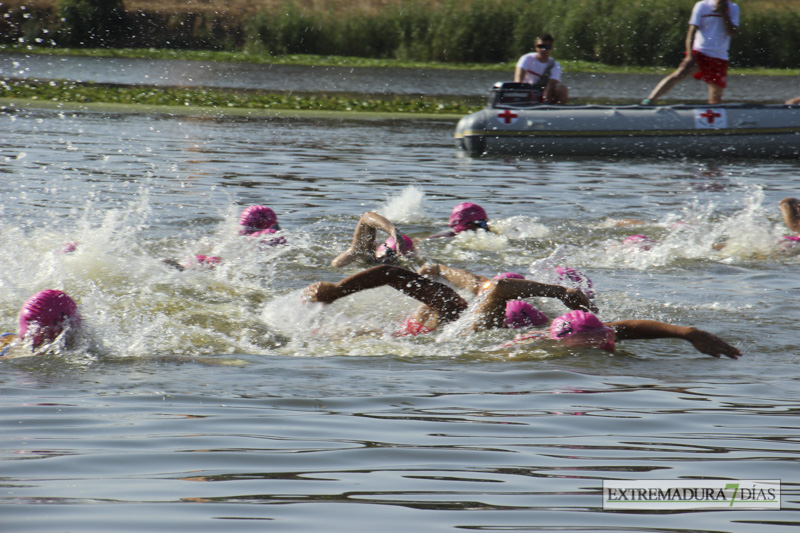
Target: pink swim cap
257 217
465 214
640 241
520 314
584 329
508 275
46 314
567 274
391 244
67 248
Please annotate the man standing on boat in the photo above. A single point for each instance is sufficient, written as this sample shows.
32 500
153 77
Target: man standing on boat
542 71
711 26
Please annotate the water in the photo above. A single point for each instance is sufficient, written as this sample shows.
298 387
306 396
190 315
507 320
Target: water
213 399
473 84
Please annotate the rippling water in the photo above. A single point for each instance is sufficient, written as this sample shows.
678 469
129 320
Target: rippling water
627 88
213 399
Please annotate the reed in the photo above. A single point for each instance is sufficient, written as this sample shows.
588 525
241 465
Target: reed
612 32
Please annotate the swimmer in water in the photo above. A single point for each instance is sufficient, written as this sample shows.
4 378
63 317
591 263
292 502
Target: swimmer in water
518 313
365 247
254 222
44 317
790 212
580 328
260 221
465 217
441 303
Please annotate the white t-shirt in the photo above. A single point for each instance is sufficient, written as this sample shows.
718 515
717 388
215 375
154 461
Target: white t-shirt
534 68
711 37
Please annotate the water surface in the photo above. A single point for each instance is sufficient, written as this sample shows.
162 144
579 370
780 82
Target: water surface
214 399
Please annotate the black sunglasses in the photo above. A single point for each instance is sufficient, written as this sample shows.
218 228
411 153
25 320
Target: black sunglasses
544 46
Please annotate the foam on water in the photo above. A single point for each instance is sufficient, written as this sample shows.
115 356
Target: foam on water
136 306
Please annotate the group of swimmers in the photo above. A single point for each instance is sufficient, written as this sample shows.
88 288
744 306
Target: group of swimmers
498 302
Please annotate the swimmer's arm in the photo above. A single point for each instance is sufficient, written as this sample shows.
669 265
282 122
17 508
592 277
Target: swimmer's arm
790 210
461 279
363 245
438 296
702 340
376 221
511 289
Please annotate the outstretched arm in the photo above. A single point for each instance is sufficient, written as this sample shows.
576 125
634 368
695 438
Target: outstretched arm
439 297
492 309
461 279
512 289
702 340
790 210
363 245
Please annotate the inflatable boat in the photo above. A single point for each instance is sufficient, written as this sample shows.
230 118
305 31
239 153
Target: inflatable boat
515 123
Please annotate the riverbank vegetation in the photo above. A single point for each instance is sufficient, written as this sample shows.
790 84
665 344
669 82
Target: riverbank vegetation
624 33
66 92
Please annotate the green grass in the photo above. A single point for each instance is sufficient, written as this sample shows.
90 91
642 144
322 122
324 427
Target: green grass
88 93
315 60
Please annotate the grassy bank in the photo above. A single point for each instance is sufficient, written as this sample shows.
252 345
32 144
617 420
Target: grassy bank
90 93
632 33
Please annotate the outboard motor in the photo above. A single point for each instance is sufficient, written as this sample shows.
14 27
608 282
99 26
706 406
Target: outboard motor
513 94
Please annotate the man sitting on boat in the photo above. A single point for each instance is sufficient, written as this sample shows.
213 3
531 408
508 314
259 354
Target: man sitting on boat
543 72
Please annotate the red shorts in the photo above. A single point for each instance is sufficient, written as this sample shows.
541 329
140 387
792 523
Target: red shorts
712 69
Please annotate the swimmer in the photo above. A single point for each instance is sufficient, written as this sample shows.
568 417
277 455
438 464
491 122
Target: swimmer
67 248
440 303
260 221
639 242
790 212
365 247
44 317
580 328
255 221
518 313
465 217
198 261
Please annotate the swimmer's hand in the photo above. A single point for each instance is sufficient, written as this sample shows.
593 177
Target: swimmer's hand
322 291
577 300
710 344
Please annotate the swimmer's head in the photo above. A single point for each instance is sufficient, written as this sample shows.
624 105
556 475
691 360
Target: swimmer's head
570 276
389 247
521 314
257 218
508 275
67 248
468 216
47 314
641 242
580 328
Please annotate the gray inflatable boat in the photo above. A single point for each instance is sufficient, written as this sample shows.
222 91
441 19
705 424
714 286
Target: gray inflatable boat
515 123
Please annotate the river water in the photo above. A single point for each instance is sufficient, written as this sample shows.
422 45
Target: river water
212 400
584 87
